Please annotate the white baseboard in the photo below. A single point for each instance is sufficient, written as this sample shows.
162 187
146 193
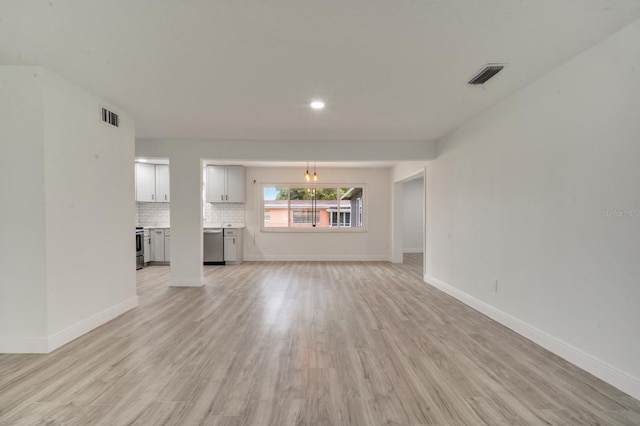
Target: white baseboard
318 258
413 250
186 281
46 345
86 325
621 380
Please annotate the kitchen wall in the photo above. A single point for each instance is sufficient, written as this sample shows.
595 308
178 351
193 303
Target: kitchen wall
67 181
542 194
370 245
270 246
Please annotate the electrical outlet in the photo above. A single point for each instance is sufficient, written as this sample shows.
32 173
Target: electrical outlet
495 285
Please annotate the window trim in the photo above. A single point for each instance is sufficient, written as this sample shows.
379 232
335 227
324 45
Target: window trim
305 229
338 222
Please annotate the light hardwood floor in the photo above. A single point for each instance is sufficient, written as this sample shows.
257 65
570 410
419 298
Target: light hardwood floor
303 344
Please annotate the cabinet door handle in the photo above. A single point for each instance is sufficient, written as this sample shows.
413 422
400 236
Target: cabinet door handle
152 197
165 197
234 241
226 196
222 197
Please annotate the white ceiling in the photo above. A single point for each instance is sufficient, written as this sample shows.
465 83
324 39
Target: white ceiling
388 70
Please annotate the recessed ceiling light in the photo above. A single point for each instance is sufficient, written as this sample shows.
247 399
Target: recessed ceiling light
317 105
141 160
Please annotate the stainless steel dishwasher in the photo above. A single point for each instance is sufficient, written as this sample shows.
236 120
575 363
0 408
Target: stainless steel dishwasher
213 246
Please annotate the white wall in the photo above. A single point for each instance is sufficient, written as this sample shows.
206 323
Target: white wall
23 309
89 190
370 245
68 242
408 170
412 216
287 151
519 194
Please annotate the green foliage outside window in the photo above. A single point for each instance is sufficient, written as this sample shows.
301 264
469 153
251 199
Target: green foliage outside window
307 193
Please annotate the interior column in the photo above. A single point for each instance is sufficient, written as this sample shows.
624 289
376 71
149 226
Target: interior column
186 221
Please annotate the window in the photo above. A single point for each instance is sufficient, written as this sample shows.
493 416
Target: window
345 219
304 217
275 206
313 207
301 208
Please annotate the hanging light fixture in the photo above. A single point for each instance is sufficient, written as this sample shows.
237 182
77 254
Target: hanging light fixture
315 175
307 177
314 207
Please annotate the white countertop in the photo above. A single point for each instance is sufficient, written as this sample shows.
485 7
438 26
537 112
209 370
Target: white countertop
223 225
204 225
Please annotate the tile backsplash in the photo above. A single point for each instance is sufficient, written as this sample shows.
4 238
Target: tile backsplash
224 212
152 214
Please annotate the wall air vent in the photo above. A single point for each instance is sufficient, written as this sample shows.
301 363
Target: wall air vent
486 73
110 117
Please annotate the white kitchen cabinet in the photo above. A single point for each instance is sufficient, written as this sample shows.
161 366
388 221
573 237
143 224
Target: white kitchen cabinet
225 184
235 184
158 241
167 245
147 246
216 185
162 183
230 248
232 245
152 183
145 182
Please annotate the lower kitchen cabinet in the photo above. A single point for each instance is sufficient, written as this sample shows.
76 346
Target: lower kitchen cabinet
167 245
232 246
147 246
161 245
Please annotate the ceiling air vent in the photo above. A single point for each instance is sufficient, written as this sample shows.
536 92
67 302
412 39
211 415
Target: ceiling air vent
486 73
110 117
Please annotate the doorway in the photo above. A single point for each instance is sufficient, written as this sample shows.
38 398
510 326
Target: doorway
409 224
413 216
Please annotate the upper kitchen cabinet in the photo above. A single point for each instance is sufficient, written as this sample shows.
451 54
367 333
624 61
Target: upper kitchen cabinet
162 183
225 184
152 183
145 182
235 184
216 184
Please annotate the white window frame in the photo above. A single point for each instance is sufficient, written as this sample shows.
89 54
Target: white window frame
339 222
330 229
